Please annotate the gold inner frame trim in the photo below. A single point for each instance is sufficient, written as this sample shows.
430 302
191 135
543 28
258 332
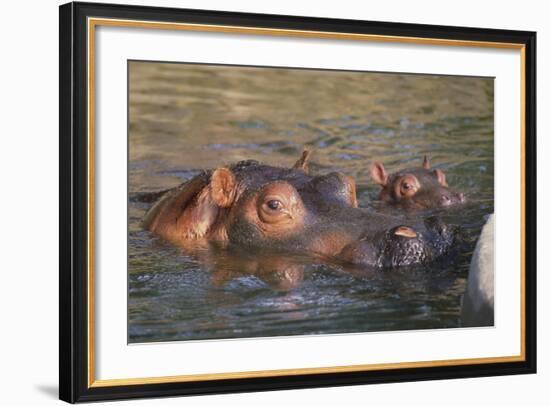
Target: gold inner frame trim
94 22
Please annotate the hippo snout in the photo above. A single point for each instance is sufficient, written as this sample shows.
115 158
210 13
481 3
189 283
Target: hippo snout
399 246
450 199
402 245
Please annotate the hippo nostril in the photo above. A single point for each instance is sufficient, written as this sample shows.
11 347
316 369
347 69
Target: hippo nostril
405 232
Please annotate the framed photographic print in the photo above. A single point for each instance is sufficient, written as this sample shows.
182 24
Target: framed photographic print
254 202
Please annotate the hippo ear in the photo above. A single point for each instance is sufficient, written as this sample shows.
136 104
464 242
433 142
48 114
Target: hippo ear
186 212
379 174
426 163
222 187
303 162
441 177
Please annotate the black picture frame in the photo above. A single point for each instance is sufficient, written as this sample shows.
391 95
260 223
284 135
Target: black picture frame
74 385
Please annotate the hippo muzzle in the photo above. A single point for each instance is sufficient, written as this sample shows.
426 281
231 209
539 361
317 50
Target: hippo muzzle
402 245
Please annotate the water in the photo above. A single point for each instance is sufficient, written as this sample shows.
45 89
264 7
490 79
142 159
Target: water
185 118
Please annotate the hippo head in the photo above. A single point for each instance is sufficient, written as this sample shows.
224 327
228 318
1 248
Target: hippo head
415 188
255 206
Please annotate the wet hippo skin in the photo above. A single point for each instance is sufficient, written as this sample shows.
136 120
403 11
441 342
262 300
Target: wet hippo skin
255 206
419 188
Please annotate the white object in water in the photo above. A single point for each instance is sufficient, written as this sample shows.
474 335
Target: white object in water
478 301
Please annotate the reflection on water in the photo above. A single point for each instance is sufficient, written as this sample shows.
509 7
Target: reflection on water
186 118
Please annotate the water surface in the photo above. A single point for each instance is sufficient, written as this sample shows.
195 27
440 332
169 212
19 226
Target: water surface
185 118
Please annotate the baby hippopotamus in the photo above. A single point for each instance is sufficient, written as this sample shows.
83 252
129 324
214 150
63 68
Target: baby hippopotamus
419 188
274 209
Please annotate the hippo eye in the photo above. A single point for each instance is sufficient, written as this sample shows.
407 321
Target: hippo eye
406 186
274 204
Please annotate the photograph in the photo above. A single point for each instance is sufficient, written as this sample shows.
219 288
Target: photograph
283 201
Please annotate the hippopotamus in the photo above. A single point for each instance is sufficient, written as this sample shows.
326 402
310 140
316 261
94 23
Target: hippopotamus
255 206
415 188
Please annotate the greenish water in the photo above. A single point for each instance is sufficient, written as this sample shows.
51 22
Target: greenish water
186 118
